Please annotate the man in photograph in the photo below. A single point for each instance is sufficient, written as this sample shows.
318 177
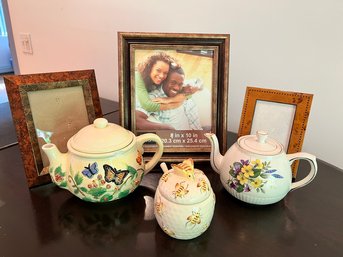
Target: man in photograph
184 117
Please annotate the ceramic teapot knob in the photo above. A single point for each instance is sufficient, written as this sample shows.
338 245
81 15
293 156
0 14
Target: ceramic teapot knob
262 136
100 123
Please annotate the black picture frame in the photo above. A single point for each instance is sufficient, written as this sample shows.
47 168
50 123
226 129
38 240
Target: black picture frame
215 46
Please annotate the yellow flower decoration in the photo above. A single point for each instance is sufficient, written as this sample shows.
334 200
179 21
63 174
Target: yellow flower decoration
247 171
257 183
242 179
258 163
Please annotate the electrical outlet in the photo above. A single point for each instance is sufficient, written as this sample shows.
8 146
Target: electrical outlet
26 44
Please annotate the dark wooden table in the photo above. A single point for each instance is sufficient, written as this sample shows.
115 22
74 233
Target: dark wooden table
49 221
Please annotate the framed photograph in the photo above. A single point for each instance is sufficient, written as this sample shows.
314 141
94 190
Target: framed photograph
50 107
176 86
282 114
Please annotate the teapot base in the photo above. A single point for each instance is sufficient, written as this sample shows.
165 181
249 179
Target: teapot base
253 199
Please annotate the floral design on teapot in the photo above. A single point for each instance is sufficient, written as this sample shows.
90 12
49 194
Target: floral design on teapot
90 185
58 176
248 175
139 158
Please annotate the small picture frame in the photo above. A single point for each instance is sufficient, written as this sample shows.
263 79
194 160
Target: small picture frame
176 86
50 107
282 114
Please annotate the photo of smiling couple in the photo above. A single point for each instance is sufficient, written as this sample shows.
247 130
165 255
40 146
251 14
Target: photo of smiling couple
165 100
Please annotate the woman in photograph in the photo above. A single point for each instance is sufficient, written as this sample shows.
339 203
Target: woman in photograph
150 75
185 117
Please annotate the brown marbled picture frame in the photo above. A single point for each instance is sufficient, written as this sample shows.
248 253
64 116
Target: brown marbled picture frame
201 56
291 108
50 107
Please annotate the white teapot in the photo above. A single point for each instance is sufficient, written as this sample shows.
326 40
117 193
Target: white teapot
184 201
104 161
256 169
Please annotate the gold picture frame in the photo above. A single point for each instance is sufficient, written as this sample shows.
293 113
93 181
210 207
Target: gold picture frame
50 107
202 57
283 114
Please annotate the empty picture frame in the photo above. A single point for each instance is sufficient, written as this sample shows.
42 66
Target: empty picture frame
282 114
204 59
50 107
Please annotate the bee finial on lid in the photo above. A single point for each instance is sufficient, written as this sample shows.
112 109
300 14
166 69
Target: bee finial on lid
185 169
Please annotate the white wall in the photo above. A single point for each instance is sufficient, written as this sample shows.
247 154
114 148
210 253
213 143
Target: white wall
5 56
294 45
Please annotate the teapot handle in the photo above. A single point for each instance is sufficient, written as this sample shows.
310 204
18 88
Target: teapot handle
313 172
156 157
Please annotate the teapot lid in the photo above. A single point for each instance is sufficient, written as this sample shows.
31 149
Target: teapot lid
260 144
101 137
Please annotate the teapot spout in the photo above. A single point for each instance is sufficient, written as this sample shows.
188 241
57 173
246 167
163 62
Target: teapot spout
216 158
58 164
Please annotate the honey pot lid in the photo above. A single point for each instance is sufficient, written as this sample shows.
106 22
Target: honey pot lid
180 190
260 144
101 137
